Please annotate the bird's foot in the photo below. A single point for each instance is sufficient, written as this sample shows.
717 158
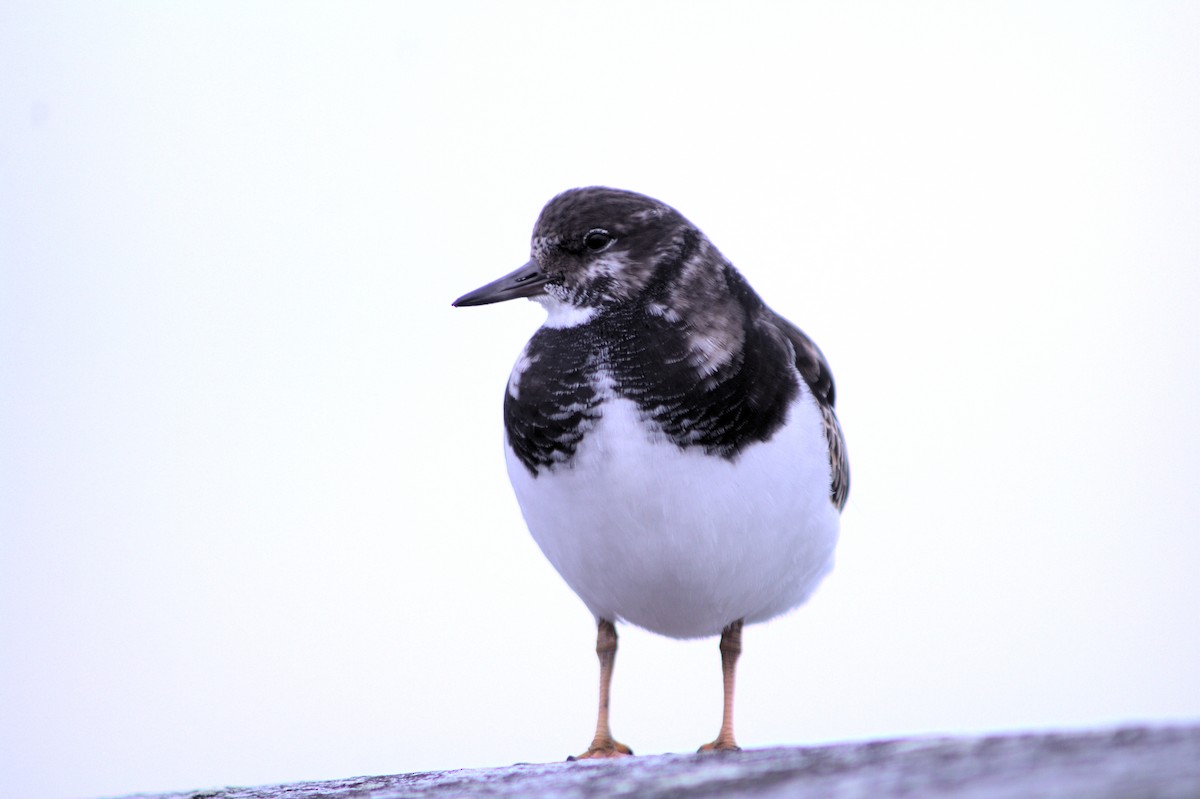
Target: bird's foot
721 744
604 747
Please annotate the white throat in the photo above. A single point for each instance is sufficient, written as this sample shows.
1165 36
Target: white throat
560 314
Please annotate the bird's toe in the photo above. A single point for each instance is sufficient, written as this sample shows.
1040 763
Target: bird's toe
604 748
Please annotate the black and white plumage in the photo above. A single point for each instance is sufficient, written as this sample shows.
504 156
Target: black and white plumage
671 440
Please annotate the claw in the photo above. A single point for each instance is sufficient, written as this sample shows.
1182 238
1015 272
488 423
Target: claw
605 749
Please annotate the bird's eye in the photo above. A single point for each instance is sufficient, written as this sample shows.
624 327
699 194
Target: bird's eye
597 240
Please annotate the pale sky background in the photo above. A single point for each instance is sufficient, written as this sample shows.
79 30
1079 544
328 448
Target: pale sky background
254 520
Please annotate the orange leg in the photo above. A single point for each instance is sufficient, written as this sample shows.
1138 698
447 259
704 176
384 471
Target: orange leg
731 647
603 744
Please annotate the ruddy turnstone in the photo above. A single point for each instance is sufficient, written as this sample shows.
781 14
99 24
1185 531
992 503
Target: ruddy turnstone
671 440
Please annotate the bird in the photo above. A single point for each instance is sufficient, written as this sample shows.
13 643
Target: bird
671 440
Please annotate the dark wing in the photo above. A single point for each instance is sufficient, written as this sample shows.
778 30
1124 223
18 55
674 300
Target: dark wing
813 367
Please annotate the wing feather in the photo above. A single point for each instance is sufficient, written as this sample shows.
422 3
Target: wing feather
813 367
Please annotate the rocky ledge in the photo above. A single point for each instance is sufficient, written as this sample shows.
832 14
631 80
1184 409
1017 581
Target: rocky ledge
1126 763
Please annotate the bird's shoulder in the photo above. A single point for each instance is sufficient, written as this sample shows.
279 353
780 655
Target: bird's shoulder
810 362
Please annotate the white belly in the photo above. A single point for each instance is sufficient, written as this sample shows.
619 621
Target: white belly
679 542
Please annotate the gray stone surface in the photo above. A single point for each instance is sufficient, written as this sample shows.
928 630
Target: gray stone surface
1128 763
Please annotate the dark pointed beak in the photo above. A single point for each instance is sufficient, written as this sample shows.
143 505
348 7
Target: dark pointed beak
525 281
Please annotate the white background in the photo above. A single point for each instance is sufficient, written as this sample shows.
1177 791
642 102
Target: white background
254 521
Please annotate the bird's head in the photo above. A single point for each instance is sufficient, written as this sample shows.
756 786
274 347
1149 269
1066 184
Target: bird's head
592 248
